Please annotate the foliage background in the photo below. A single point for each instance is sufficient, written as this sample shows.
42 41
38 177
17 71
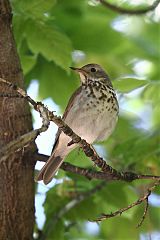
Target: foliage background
53 35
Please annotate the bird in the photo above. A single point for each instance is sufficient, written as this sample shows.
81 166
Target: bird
92 113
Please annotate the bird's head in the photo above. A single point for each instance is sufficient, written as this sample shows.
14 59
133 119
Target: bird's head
92 72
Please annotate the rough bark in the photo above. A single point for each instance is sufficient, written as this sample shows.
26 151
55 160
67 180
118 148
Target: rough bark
17 171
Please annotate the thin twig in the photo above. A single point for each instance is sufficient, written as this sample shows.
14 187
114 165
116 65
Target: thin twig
139 201
144 213
129 11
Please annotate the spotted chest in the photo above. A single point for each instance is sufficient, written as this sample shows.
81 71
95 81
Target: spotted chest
100 97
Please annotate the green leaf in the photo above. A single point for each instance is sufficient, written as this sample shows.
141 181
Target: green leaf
155 217
27 63
33 8
114 195
156 116
28 60
82 25
50 42
38 8
126 85
119 228
140 151
87 209
152 93
19 23
54 81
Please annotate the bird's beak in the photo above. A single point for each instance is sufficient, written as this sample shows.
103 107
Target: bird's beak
81 72
76 69
73 68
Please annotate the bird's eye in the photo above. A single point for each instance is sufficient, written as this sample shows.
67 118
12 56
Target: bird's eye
93 70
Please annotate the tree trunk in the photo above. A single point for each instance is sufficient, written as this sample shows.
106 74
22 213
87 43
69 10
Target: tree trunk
17 170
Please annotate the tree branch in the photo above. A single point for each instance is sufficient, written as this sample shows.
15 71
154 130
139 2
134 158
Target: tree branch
92 174
129 11
139 201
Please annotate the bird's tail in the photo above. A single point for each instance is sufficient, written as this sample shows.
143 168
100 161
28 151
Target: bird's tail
49 169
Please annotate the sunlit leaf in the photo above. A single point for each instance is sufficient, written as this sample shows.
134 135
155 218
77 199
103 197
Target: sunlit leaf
50 42
126 85
151 93
28 60
33 8
54 81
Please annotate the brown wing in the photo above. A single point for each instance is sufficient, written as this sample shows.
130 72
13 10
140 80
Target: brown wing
69 105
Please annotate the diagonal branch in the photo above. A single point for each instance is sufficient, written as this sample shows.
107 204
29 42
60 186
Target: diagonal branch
129 11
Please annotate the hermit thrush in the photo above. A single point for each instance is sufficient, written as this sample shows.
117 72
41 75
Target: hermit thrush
92 113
